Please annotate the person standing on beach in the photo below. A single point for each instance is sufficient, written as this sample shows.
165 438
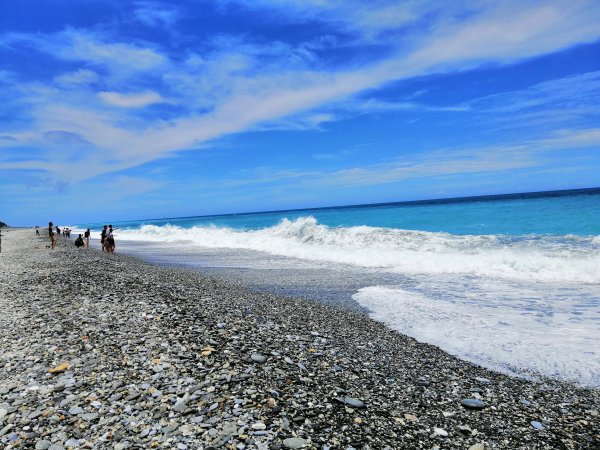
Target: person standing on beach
51 234
110 240
86 238
103 237
37 230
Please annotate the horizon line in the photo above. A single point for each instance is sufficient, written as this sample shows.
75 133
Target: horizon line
508 196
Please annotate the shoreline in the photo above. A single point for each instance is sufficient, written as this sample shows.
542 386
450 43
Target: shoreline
163 356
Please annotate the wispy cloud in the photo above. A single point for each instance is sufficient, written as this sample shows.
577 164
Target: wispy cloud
137 100
80 76
90 47
230 84
531 155
154 13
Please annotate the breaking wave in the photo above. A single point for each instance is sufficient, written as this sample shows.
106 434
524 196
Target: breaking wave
529 257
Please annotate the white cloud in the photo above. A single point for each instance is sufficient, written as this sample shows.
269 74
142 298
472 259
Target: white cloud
138 100
509 32
533 155
154 13
81 76
92 48
226 90
367 18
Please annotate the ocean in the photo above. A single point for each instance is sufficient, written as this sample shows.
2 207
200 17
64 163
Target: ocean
510 282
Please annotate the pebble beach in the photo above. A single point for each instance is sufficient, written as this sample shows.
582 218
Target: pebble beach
103 351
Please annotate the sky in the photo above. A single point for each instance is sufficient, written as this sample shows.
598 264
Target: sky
121 110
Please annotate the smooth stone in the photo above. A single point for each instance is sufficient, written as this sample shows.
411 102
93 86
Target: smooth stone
3 412
56 447
478 446
482 380
472 403
88 417
42 445
168 429
440 432
354 402
537 425
75 410
258 358
179 405
294 442
72 443
259 426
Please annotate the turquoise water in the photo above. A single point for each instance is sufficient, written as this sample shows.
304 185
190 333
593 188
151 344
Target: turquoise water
577 213
509 282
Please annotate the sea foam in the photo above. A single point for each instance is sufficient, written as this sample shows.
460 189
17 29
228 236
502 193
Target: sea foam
546 335
520 304
532 258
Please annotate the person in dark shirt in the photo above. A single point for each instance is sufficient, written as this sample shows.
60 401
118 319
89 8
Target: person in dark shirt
79 241
110 240
103 237
51 234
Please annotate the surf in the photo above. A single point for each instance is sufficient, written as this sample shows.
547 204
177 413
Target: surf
531 257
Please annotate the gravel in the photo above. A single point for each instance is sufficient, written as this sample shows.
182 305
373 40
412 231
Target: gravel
105 351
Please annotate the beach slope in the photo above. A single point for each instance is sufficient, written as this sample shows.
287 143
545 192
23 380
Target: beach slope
105 351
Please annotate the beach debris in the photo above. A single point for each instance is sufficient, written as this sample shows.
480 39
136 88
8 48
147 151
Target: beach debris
206 351
60 368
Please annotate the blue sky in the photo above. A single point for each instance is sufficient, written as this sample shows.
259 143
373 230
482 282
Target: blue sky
115 110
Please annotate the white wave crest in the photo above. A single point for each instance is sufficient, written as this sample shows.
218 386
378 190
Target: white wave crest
537 258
